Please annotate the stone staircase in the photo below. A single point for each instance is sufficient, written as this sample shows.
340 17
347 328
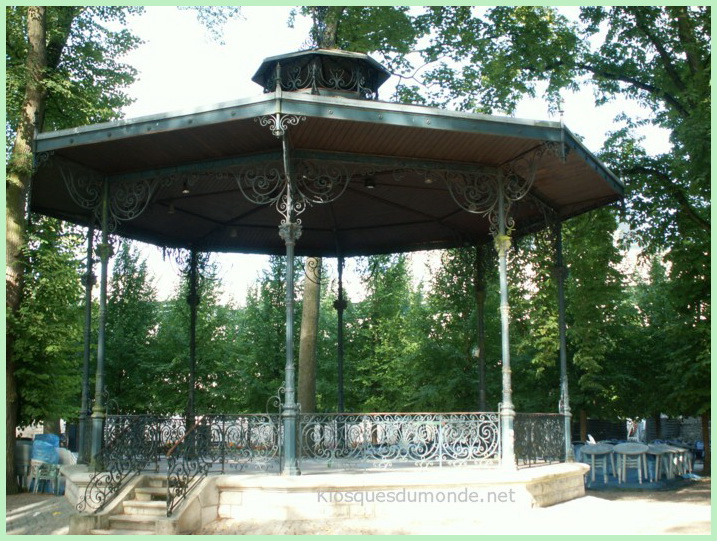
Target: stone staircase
141 510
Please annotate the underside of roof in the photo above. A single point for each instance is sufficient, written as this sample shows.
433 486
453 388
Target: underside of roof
376 177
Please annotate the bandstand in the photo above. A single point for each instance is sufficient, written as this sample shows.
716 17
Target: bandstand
318 166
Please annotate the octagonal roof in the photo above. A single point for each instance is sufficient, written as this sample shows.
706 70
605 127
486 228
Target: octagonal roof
391 159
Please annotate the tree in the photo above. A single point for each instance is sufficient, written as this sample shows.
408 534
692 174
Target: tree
306 391
378 338
262 344
487 59
48 326
386 30
445 370
132 313
61 72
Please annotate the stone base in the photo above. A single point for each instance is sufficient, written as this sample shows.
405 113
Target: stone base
457 492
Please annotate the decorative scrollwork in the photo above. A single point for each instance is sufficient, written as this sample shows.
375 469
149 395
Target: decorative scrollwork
41 158
129 200
312 270
423 439
474 192
315 75
130 445
85 188
276 401
278 123
126 200
492 193
321 182
262 184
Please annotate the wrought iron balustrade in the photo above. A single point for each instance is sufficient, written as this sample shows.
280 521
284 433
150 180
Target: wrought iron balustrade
218 444
132 444
539 437
385 439
221 444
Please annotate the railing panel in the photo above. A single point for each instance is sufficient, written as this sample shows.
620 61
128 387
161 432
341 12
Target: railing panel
131 446
385 439
221 444
539 437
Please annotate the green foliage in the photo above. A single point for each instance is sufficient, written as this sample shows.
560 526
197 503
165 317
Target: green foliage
262 346
445 372
48 325
378 337
84 81
487 59
130 334
218 377
386 30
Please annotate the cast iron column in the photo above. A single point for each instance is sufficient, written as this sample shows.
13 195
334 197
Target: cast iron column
193 301
561 274
88 281
340 306
98 411
290 231
480 322
507 411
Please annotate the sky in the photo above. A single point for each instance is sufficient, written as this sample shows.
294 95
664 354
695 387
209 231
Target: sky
181 68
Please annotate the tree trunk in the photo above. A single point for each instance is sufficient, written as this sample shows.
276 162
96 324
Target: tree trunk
309 335
707 469
326 25
583 425
19 173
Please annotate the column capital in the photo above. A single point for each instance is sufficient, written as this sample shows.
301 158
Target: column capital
502 244
105 251
290 232
89 279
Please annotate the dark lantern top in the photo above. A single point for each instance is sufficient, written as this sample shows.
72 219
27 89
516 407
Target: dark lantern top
325 72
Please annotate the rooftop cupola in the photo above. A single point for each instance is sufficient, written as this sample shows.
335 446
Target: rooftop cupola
326 72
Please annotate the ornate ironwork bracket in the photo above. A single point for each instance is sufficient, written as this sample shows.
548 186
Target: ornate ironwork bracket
276 400
41 158
492 192
126 201
313 183
278 123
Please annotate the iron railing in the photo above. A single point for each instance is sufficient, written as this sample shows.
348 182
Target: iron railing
385 439
132 444
539 438
218 443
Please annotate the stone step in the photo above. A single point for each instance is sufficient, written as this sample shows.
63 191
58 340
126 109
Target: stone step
140 507
150 493
156 481
132 522
118 531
